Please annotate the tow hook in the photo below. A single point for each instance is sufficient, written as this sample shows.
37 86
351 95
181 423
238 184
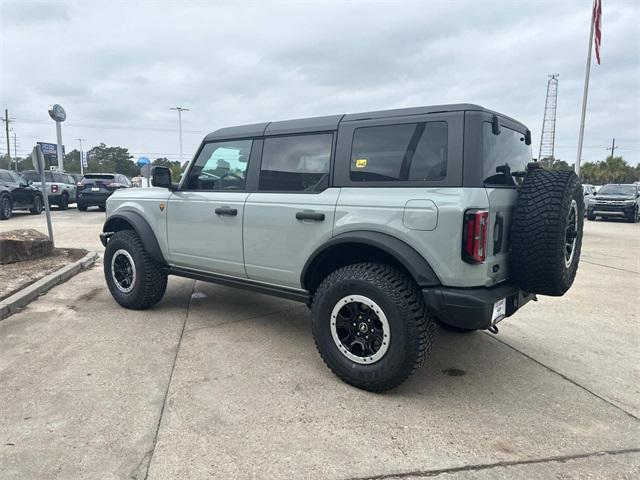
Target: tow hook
494 329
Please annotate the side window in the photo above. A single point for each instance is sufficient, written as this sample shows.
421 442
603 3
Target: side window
297 163
402 152
5 177
59 178
220 166
48 177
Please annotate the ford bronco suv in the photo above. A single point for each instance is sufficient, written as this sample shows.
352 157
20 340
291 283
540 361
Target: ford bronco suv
384 223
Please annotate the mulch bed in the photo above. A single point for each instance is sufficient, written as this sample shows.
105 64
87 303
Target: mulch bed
15 276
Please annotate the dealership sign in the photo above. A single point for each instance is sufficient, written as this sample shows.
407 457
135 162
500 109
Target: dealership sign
50 154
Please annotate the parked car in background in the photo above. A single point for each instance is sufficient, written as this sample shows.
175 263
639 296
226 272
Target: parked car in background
95 188
589 192
136 182
616 201
17 194
61 187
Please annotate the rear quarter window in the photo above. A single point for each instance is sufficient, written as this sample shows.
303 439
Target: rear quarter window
402 152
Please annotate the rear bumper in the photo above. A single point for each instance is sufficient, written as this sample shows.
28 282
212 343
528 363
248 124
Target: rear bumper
91 199
472 308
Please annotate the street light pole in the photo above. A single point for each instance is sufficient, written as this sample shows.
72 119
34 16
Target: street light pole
81 155
180 110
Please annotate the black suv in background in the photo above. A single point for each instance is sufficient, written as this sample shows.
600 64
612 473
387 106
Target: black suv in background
17 194
616 201
95 188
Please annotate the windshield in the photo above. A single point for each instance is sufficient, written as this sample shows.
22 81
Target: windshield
504 154
617 190
97 179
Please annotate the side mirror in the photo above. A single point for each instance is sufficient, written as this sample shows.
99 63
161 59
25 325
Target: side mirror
161 177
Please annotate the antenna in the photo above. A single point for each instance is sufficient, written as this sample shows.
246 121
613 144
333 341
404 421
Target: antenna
548 135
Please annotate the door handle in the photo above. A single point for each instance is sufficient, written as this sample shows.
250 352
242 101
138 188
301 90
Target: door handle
232 212
318 217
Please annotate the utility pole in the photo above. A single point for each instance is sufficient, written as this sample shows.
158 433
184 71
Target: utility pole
612 147
6 126
180 110
81 155
15 148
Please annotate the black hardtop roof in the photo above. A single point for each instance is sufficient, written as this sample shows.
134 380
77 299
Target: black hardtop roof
331 122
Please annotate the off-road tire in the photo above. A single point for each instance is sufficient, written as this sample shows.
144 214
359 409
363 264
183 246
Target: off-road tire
412 327
82 207
538 232
634 217
63 204
151 278
37 206
6 207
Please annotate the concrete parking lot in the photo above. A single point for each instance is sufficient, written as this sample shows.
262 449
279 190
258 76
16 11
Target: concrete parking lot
221 383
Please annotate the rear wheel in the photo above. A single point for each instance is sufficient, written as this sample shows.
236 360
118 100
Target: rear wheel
134 278
102 207
37 206
6 207
371 326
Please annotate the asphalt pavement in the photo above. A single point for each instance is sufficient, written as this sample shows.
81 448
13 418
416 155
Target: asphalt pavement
221 383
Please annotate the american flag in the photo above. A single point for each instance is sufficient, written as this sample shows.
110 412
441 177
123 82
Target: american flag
597 21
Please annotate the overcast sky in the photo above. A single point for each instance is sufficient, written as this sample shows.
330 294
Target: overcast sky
117 67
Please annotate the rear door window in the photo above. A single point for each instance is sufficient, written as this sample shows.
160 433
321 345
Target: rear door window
506 156
296 163
402 152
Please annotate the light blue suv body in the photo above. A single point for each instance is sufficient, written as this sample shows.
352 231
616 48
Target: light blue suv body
279 207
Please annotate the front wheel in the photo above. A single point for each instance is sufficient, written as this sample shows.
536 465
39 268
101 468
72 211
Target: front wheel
37 206
371 326
6 207
82 207
134 278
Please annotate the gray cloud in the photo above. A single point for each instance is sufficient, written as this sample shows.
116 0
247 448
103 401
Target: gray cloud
127 62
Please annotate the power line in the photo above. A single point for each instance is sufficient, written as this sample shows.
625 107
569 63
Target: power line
112 126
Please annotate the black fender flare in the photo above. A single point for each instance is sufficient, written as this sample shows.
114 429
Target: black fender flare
408 257
140 226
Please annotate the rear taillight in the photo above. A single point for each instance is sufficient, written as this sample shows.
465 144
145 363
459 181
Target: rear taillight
114 185
474 236
54 188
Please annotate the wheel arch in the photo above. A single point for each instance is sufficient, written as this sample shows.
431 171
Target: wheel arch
134 221
358 246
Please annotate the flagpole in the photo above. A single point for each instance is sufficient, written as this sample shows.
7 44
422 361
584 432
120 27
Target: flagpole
585 92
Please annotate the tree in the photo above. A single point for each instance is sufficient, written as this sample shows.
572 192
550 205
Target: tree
111 160
610 170
553 163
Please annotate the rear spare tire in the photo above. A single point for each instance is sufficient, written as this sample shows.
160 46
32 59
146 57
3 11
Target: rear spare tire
546 233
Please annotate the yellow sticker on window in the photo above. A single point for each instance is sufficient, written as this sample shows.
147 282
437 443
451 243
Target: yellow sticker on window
361 162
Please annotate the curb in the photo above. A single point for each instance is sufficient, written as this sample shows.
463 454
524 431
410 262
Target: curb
12 304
